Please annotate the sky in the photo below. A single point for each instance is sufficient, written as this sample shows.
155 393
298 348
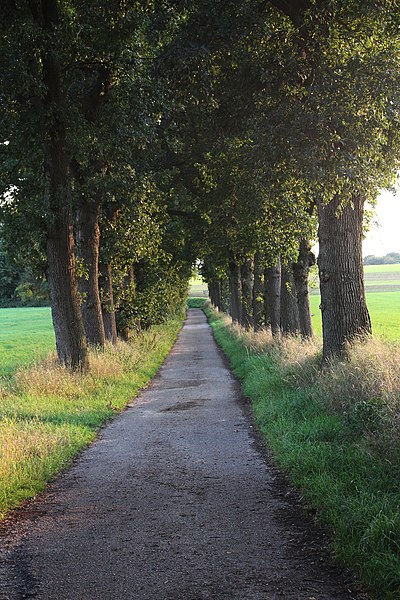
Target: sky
384 233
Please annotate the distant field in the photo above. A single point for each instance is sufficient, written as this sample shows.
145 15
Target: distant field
197 288
26 335
378 278
382 268
384 308
382 283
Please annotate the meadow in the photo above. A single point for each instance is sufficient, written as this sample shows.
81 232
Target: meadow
382 284
26 335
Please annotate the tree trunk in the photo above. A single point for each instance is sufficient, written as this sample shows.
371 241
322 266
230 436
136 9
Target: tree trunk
257 293
217 291
272 297
247 280
301 270
107 299
224 293
235 292
88 241
125 321
65 309
61 273
343 304
211 292
290 324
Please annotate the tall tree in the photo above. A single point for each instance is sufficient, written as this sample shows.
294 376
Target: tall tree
67 318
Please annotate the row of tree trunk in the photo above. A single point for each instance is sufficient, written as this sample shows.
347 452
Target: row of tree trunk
278 296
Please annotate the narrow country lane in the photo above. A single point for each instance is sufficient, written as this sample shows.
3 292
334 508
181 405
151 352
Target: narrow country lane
175 501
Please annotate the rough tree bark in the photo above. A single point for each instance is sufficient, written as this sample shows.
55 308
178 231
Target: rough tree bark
217 291
247 281
224 291
107 302
235 292
124 323
106 282
211 292
66 314
88 242
343 304
301 270
257 292
290 324
272 297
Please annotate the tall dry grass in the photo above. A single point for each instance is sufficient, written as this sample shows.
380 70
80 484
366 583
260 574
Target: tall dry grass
364 388
48 378
48 414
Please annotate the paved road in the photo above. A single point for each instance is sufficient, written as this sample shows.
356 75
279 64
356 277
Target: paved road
175 501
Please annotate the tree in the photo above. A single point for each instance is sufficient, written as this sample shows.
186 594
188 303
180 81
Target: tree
331 121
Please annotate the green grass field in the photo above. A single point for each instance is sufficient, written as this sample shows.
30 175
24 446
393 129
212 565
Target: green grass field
26 335
384 308
382 284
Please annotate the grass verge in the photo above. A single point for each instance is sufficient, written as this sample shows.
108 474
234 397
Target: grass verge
47 414
336 433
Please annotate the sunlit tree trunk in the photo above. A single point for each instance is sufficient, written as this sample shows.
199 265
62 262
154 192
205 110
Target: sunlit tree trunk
88 242
272 297
301 271
107 302
235 292
289 307
224 288
343 304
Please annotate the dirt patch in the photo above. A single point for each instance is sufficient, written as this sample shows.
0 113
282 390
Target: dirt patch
183 406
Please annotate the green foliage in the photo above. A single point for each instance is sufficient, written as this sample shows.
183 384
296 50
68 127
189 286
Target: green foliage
159 292
9 276
196 302
19 286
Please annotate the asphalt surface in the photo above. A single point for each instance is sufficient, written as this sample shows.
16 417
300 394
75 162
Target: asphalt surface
176 500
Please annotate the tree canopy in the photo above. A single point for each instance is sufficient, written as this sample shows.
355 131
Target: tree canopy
137 138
